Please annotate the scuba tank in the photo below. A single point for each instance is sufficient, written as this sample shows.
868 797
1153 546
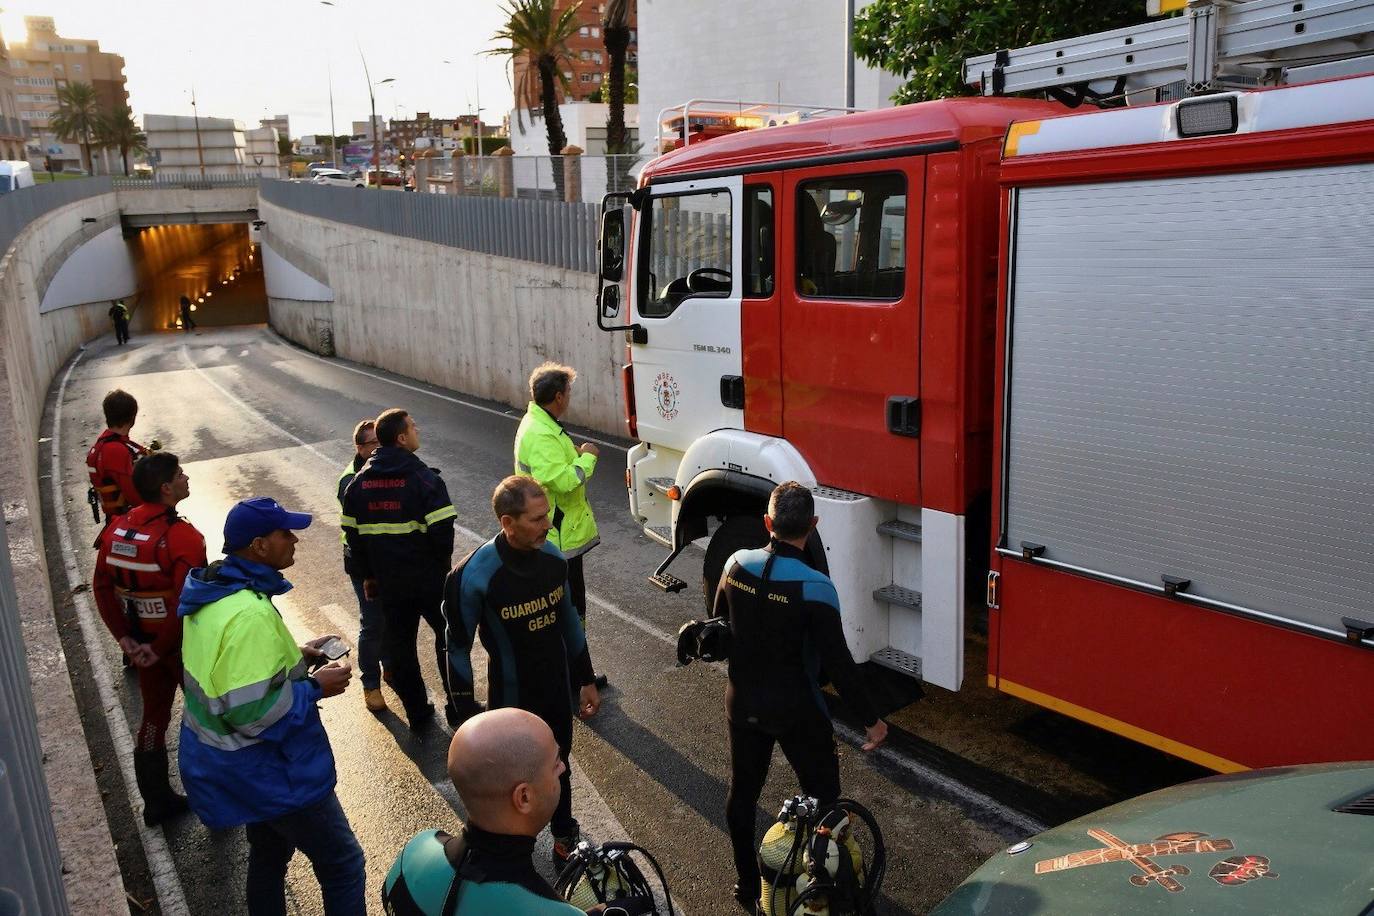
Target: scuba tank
812 863
607 874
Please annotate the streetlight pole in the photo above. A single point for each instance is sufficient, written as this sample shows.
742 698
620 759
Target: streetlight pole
372 99
333 133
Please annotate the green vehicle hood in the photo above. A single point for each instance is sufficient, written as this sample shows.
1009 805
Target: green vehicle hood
1258 842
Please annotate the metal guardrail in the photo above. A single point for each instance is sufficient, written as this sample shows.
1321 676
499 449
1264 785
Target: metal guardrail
191 181
543 231
19 208
31 866
534 176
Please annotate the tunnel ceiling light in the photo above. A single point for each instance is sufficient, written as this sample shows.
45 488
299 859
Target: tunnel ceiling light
209 292
200 299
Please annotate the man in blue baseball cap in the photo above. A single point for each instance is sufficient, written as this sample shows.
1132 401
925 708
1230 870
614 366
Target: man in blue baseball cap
253 748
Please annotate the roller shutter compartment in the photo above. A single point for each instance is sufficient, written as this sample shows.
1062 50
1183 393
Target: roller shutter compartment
1191 386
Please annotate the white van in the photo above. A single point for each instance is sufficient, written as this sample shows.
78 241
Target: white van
15 174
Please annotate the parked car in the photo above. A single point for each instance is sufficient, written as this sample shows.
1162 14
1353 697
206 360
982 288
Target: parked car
335 178
388 177
1277 841
15 174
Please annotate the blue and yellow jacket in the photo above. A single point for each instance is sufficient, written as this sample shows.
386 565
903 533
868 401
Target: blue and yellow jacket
252 744
784 627
398 522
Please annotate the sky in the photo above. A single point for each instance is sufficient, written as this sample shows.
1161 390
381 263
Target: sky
257 58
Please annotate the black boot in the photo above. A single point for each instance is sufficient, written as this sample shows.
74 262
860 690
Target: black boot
160 802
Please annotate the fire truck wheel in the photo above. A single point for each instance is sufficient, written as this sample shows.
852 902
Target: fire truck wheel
737 532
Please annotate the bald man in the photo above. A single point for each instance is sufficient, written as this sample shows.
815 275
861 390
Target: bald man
506 766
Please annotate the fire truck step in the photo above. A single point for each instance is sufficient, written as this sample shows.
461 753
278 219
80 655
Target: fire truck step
897 594
661 533
835 493
661 484
668 582
904 531
897 660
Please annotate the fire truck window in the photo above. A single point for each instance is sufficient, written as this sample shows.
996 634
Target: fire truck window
851 242
758 242
689 252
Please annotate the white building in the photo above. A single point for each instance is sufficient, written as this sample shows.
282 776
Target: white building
584 124
363 128
311 145
260 153
788 51
183 143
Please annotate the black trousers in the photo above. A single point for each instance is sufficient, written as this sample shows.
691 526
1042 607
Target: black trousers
577 588
401 615
121 331
810 749
562 824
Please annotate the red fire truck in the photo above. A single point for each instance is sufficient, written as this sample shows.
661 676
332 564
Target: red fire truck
1128 348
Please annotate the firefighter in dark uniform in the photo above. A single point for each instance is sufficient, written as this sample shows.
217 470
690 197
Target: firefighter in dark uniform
784 627
141 566
512 592
398 524
110 461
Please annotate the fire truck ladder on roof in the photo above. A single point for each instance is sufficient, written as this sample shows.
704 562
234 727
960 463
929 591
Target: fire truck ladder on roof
1217 44
765 114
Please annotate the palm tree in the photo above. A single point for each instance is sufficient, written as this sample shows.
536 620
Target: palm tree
615 32
77 117
536 31
118 130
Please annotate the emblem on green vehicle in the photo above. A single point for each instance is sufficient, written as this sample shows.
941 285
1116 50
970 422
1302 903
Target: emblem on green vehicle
1238 870
1141 855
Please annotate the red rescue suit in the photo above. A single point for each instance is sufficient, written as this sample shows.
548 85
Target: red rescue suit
144 557
110 463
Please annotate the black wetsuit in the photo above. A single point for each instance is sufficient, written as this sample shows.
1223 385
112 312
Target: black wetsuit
784 627
517 602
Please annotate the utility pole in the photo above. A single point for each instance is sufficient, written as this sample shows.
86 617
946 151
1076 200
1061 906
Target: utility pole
195 112
333 134
848 53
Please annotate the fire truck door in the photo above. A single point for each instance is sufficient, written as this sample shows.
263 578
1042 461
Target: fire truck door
851 323
688 374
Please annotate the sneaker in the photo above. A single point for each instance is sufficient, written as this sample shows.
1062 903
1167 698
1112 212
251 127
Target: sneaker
601 682
563 847
376 703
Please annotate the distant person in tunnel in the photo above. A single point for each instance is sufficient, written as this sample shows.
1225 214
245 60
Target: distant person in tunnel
145 556
398 522
371 624
187 323
119 314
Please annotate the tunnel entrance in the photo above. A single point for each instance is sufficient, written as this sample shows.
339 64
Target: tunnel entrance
217 267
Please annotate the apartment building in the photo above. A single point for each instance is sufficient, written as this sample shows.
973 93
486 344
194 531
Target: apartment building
587 69
44 62
11 128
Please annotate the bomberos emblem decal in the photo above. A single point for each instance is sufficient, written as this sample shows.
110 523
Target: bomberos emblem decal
666 395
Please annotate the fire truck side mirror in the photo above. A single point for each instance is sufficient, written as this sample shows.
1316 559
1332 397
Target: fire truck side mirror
610 301
611 248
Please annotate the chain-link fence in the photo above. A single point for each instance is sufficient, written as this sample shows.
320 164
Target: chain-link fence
578 178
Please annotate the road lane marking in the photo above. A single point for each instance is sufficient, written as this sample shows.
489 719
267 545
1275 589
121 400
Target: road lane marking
510 413
966 794
161 865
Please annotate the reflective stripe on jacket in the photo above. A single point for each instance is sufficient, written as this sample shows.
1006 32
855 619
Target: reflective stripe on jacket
545 451
252 744
398 521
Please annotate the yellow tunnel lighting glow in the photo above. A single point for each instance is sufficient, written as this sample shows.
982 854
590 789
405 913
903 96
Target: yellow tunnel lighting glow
200 299
193 308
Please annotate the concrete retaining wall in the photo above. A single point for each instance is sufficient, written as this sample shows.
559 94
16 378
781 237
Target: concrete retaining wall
467 321
33 348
